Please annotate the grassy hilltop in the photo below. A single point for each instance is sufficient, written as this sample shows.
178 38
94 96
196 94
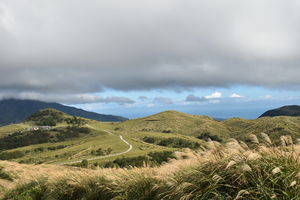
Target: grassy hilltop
205 126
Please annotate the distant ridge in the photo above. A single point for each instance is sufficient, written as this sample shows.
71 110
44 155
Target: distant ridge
293 111
16 110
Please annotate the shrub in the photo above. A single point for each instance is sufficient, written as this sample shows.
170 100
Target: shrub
33 190
5 175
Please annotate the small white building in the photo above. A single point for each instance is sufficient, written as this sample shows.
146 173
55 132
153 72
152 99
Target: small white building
46 127
33 128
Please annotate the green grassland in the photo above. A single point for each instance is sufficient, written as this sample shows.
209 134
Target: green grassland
81 148
168 124
262 162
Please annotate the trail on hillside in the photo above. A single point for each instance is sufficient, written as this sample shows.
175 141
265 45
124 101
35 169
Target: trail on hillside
98 157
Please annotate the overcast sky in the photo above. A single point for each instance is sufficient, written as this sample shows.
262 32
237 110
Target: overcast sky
133 56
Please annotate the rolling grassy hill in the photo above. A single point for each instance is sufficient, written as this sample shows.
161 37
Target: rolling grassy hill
197 126
175 125
68 139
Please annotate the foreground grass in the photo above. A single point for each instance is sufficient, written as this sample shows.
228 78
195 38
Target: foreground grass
232 171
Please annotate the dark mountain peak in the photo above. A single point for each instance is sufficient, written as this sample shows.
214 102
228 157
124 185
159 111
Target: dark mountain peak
17 110
291 110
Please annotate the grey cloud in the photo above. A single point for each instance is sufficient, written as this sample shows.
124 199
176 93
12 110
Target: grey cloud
119 100
192 97
163 100
66 98
76 47
143 98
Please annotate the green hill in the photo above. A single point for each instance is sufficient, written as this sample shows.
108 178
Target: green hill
52 117
51 136
293 111
175 122
15 111
207 127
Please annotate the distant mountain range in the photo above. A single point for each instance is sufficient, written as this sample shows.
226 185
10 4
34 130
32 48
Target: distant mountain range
15 111
293 111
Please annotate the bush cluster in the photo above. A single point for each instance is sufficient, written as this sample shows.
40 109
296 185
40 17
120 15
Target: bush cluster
172 142
19 139
11 155
207 135
151 159
71 132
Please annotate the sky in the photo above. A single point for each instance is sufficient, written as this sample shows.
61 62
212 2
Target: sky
135 58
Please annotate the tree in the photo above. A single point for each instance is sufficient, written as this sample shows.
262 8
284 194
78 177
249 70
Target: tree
109 150
100 152
84 163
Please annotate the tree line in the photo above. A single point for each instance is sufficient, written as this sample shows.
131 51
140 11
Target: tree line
21 139
172 142
151 159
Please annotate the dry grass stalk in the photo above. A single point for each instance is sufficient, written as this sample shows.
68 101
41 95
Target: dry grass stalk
244 145
253 139
283 141
217 178
233 146
253 156
276 170
231 163
286 140
289 140
293 183
241 194
246 168
266 139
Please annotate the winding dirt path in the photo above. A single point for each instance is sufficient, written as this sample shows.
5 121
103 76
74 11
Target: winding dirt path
98 157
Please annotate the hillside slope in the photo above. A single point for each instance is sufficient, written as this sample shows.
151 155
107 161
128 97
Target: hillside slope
293 110
15 111
204 126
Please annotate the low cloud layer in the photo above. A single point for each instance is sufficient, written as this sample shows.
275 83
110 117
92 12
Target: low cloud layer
162 100
75 48
192 97
67 98
143 98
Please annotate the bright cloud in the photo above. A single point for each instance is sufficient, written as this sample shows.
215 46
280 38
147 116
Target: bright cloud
235 96
214 95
